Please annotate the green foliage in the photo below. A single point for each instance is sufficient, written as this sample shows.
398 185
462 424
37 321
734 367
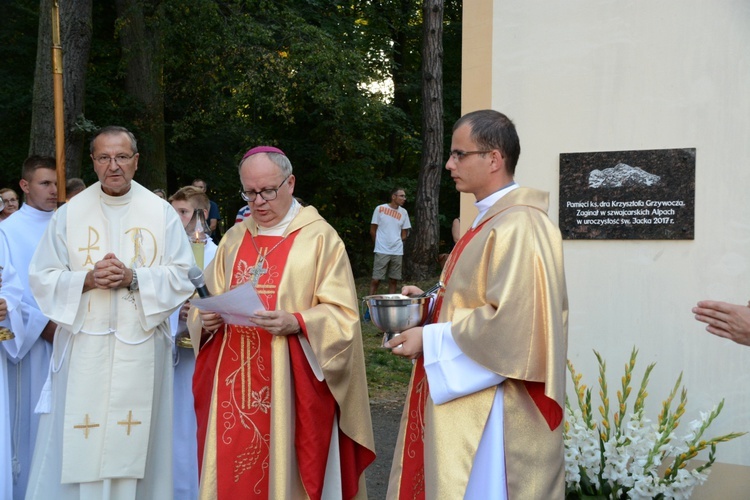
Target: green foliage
18 28
290 73
387 375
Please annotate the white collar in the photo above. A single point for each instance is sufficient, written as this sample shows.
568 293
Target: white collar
280 228
485 204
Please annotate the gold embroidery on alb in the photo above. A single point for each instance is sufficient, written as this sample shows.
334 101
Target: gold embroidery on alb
129 422
92 246
244 375
265 289
86 425
139 260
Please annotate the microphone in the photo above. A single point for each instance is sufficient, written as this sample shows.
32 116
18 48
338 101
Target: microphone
195 275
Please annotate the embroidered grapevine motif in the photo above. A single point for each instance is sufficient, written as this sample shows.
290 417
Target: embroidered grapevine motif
245 400
261 399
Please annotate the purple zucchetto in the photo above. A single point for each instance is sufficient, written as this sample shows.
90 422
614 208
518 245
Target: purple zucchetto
262 149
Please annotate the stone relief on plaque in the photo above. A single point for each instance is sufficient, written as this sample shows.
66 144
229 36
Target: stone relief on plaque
643 195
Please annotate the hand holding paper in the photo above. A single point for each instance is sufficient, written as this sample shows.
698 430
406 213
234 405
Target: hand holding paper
236 306
277 322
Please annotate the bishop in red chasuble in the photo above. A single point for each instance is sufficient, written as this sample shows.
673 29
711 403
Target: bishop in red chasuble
282 408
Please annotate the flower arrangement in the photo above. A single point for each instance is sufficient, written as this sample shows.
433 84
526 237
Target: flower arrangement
626 455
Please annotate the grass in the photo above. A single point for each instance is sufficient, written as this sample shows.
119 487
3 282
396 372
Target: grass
387 375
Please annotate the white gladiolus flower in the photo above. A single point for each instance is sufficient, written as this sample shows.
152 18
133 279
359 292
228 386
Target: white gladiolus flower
634 457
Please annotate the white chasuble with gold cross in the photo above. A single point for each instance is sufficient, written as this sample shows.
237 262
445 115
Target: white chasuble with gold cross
106 428
110 388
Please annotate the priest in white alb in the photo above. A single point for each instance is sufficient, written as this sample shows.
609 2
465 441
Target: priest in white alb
29 357
11 340
109 271
6 475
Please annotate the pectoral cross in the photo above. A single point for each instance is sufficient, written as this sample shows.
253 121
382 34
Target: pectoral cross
258 270
86 425
129 422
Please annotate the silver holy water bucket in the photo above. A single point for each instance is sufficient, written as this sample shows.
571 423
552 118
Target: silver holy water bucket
394 313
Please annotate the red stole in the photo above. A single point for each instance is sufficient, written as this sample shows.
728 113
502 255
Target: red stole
412 474
238 364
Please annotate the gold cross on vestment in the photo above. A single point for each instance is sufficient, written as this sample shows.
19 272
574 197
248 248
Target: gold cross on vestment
258 270
93 240
86 425
129 422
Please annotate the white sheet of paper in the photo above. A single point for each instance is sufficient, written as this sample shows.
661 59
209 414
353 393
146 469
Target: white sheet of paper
235 306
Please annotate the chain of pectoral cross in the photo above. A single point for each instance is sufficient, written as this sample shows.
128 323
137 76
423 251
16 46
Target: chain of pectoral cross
259 269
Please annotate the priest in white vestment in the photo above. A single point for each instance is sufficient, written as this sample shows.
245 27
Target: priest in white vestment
110 269
10 318
6 474
29 361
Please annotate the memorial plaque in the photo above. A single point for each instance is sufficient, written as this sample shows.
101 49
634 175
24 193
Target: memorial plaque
628 195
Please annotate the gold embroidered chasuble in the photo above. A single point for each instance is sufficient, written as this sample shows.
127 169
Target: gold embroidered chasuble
314 282
506 299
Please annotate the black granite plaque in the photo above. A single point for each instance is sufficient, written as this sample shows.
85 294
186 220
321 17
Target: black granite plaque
628 195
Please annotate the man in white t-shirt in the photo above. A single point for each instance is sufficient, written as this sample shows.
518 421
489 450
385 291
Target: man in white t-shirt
389 227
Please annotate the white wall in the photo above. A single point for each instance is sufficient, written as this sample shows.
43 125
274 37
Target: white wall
592 75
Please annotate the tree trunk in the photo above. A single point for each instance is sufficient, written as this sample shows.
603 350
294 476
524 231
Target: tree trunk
75 38
142 51
42 141
422 247
76 32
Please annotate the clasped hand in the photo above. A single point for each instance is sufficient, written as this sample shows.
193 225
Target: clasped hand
109 272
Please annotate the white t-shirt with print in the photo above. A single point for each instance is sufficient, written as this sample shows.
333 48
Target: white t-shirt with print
390 222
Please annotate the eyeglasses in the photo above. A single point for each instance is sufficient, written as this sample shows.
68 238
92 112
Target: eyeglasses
266 194
120 160
459 155
10 200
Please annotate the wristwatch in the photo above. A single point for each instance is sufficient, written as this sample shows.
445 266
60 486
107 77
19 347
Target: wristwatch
134 283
